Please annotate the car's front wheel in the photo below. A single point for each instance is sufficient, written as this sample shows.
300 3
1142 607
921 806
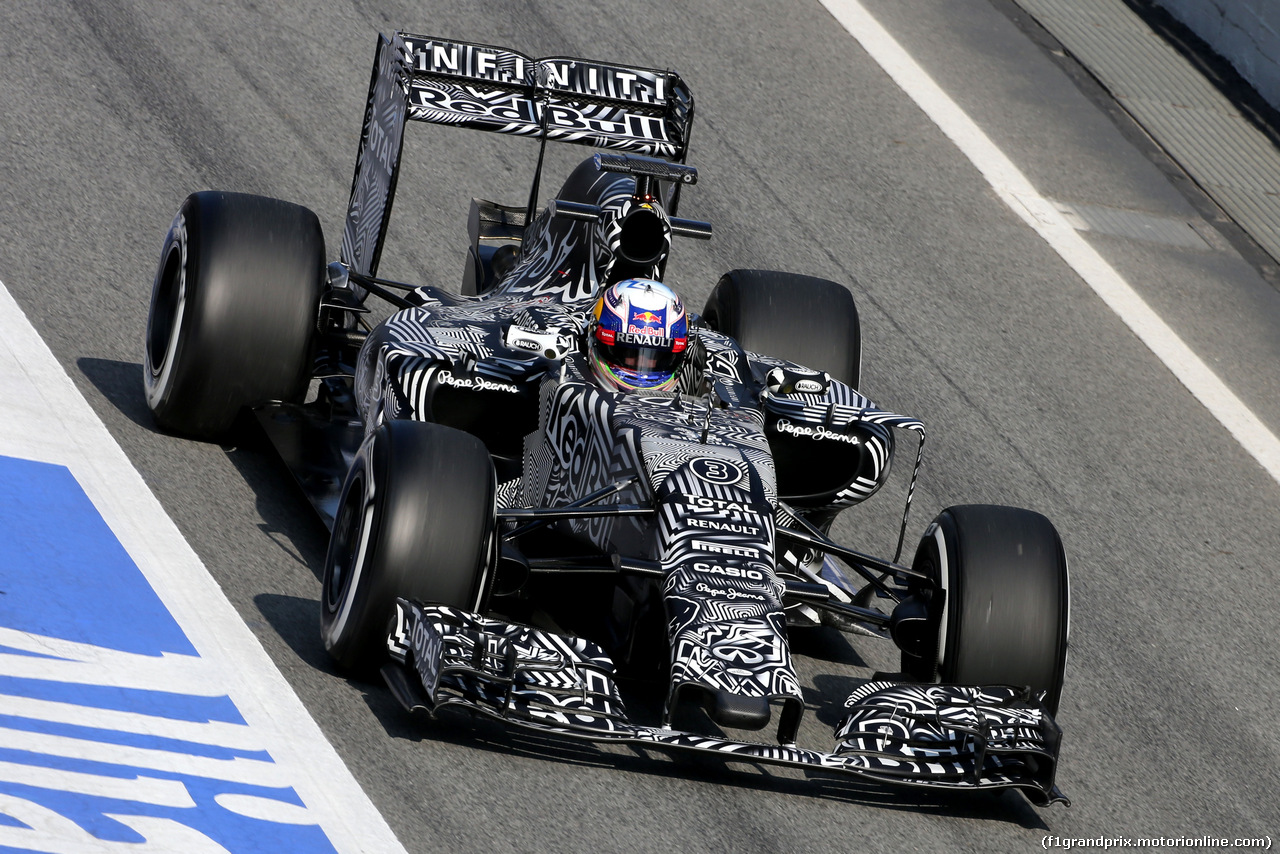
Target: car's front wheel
415 520
1005 601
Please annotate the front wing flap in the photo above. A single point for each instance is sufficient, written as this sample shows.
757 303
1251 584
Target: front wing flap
923 735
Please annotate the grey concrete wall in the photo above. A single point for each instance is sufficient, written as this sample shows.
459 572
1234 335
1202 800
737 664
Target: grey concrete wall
1245 32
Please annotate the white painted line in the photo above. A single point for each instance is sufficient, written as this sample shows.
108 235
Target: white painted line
143 790
90 665
48 420
1023 198
239 769
213 733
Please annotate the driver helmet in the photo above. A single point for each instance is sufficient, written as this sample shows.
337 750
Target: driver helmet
639 337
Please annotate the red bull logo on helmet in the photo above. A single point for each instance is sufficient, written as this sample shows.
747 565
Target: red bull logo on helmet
646 322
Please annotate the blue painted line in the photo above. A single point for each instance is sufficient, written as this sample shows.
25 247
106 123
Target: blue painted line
64 573
181 707
127 739
65 576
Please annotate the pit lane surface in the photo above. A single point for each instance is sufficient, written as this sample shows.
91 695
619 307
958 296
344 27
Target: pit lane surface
811 160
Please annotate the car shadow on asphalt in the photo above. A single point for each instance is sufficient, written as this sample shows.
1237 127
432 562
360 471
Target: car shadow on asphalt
121 384
296 620
286 517
288 520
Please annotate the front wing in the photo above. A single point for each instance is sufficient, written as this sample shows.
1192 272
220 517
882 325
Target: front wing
922 735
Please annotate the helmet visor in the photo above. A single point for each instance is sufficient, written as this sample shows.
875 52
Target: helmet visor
643 361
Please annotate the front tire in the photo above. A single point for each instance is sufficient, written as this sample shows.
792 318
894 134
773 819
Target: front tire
233 310
1004 615
415 520
811 322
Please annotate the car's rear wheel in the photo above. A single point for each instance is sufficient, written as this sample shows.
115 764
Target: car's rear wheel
233 310
415 520
809 321
1005 608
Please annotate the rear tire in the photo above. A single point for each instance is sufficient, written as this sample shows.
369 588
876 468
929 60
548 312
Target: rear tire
415 520
233 310
1005 615
811 322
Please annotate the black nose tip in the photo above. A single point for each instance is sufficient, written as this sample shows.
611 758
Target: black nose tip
729 710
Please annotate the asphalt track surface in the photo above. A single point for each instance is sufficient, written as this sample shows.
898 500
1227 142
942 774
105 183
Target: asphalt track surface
811 160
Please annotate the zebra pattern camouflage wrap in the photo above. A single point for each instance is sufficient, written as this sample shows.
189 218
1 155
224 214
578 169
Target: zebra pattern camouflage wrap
703 457
931 736
705 464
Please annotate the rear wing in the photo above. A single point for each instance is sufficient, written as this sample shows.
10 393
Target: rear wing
638 110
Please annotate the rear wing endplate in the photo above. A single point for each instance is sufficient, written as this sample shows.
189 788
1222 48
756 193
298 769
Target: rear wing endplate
638 110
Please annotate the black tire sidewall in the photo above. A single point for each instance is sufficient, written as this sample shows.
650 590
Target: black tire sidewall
430 535
173 324
345 602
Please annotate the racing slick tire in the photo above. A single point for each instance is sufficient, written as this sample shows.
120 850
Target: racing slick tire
1005 611
415 520
812 322
233 310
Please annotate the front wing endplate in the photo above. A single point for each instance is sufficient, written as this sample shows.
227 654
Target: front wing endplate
940 736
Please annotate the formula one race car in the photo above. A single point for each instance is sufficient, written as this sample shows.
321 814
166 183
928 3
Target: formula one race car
559 476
